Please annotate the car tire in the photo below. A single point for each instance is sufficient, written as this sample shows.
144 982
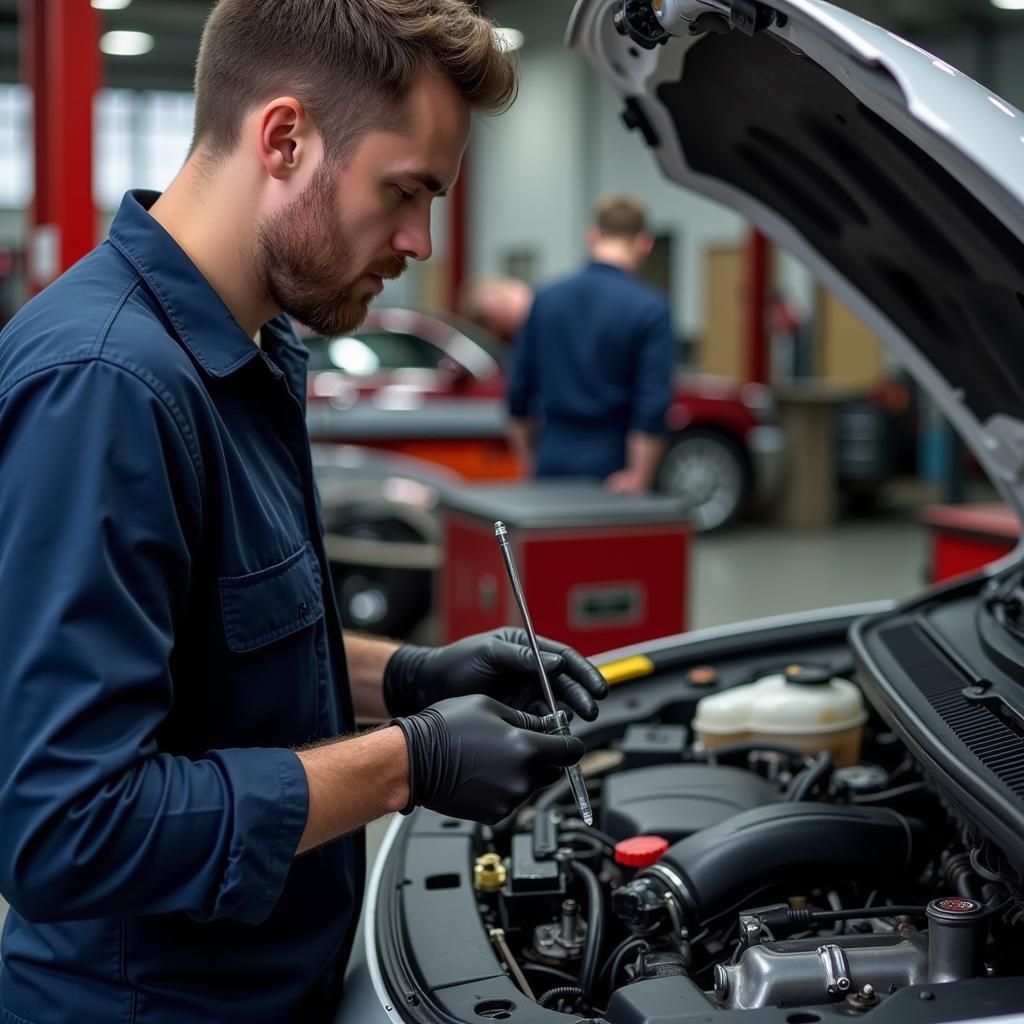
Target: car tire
709 470
381 600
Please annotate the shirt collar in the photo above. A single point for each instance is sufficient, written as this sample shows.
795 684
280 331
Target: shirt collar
599 265
204 323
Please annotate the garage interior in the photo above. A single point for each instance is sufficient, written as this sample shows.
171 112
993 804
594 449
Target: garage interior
872 466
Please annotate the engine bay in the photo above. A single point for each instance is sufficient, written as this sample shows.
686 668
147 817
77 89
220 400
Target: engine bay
732 877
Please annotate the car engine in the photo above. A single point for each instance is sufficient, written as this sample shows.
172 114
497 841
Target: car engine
740 876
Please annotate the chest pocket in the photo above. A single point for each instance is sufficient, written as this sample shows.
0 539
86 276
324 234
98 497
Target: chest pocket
273 603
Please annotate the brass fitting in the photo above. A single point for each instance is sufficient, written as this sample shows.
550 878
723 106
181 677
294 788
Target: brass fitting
489 873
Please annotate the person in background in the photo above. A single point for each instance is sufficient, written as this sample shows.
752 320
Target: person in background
591 373
497 304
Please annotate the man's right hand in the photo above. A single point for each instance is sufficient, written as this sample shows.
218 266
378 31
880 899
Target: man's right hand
473 757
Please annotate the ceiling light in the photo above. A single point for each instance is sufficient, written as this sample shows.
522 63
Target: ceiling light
511 38
110 5
1009 5
126 44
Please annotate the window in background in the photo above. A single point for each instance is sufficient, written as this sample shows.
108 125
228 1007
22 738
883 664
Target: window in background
141 142
114 154
15 146
166 132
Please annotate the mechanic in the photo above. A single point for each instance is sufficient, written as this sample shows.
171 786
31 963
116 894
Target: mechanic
591 374
180 817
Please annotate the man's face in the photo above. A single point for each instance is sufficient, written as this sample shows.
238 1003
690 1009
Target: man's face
324 257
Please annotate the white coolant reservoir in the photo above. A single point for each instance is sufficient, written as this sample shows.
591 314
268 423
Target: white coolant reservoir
805 707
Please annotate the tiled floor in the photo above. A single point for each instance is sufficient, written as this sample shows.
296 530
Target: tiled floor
756 570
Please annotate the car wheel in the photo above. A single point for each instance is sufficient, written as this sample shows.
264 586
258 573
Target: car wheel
709 472
378 599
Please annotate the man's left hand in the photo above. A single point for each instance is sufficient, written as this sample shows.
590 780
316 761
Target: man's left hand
499 664
626 481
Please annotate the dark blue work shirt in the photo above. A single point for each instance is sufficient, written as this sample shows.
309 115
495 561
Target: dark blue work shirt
593 362
168 635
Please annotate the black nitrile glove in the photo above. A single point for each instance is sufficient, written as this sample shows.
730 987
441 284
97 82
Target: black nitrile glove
499 664
473 757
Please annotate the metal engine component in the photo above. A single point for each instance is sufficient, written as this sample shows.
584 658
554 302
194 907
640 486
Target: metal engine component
563 939
957 930
864 1000
806 972
837 969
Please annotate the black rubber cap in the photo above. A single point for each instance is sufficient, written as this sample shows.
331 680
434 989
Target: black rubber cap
808 675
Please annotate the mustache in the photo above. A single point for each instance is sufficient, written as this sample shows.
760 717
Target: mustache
389 268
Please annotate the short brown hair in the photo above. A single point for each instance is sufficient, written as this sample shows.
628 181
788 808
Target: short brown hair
350 63
620 216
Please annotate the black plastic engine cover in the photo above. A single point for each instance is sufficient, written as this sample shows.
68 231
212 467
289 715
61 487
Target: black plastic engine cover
674 801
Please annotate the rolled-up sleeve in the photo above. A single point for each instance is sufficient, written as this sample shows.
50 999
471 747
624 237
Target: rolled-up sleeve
100 506
652 391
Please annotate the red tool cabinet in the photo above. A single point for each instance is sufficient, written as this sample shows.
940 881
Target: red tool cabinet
963 538
599 571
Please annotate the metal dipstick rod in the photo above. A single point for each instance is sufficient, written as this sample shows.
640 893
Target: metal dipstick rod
556 723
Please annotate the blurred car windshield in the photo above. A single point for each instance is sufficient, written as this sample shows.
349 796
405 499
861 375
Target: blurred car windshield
365 353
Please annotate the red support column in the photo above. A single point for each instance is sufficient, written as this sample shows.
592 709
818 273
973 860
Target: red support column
458 235
61 65
758 270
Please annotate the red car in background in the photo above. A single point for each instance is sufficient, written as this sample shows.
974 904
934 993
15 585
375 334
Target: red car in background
432 387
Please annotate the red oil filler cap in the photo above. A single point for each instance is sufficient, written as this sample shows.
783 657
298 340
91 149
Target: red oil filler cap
640 851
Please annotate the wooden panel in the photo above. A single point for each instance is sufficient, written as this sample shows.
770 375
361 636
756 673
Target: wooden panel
723 347
848 352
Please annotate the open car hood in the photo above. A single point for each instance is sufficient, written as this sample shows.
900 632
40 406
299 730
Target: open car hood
893 176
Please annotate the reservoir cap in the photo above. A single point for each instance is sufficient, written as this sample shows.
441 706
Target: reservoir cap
640 851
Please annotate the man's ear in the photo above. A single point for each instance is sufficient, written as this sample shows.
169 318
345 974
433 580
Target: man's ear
286 137
644 244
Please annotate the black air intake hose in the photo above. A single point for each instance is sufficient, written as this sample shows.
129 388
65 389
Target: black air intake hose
714 870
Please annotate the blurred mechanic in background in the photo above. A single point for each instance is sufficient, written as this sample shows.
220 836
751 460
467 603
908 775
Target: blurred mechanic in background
591 376
180 806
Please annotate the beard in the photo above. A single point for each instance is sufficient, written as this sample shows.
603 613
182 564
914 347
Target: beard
306 263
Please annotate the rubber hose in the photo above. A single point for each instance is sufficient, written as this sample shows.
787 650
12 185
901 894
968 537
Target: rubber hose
554 994
805 782
595 924
802 843
638 946
591 836
553 973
